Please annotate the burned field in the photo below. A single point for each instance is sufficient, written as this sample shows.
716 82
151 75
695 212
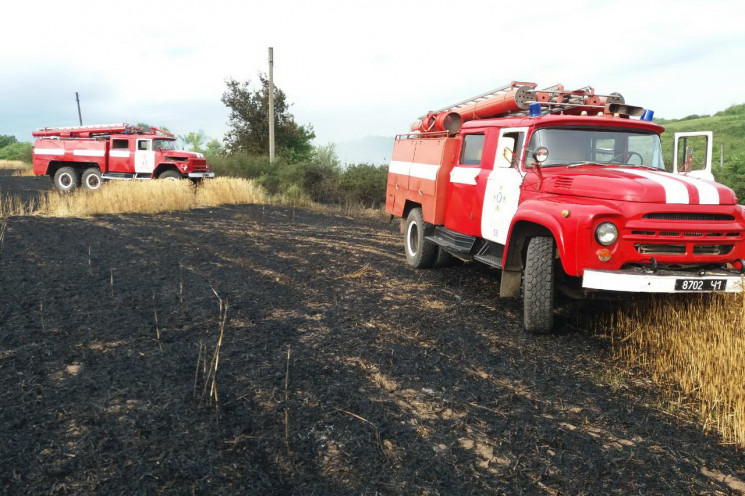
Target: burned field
340 371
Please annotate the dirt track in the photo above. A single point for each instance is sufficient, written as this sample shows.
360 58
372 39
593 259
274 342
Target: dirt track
398 381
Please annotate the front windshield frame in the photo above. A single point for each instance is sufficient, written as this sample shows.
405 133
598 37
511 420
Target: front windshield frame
164 144
611 146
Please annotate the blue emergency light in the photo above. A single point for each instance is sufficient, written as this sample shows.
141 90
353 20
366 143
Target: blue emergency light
535 110
648 115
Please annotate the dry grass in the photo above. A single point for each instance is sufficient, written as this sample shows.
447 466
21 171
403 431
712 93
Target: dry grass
18 167
229 190
118 197
13 164
695 348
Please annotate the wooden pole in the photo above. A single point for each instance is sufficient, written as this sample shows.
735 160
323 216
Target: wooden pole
271 105
80 116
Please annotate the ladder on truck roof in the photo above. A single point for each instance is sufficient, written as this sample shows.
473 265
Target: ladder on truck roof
85 131
515 99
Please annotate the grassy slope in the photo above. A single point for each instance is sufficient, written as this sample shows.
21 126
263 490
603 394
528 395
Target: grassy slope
728 127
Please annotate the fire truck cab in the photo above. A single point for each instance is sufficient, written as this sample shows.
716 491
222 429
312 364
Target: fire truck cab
564 190
89 155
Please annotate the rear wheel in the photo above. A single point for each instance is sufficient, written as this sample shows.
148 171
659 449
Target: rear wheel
420 253
538 286
92 178
66 179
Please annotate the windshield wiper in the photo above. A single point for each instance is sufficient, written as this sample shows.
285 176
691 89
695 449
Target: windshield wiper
577 164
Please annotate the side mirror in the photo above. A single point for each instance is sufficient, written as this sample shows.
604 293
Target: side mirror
539 156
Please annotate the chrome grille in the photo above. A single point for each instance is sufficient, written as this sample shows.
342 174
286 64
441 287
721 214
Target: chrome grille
688 216
653 249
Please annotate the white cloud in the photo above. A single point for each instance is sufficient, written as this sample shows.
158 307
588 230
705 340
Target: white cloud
354 69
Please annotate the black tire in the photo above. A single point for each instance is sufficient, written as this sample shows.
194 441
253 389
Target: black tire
91 178
538 286
66 179
170 174
420 253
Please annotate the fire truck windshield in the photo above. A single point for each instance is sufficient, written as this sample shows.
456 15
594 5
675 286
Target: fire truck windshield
164 144
578 146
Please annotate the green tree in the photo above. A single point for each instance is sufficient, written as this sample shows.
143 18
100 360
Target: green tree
194 139
6 140
249 126
213 148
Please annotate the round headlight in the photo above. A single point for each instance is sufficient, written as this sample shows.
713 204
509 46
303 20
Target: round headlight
606 233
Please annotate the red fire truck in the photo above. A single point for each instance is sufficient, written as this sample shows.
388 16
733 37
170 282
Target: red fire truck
89 155
564 189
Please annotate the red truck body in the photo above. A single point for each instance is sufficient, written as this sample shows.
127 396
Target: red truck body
579 176
93 154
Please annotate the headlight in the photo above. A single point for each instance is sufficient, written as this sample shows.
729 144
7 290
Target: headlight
606 233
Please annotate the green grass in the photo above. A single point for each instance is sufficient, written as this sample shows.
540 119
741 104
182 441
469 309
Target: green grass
728 127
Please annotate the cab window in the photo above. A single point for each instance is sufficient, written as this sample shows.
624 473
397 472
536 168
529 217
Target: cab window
143 145
473 148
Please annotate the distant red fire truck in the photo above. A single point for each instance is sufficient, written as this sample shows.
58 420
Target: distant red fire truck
89 155
564 190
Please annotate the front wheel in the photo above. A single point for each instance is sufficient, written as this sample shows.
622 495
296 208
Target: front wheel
170 174
538 286
66 179
92 178
421 253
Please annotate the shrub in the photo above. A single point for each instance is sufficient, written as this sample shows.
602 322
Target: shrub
17 151
363 184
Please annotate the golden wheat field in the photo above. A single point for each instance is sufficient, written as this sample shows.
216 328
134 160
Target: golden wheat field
695 348
117 197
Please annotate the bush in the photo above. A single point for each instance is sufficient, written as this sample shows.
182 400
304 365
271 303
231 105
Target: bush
17 151
363 184
319 179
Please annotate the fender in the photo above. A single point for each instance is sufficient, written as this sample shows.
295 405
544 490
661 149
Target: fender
544 216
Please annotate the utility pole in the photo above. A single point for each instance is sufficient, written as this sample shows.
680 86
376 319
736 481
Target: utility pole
271 105
80 116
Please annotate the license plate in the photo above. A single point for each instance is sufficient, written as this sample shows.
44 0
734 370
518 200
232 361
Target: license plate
700 284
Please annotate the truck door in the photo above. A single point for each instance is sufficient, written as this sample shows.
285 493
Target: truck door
503 185
120 156
463 212
692 154
144 157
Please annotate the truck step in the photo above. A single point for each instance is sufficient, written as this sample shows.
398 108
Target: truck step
490 254
453 241
117 175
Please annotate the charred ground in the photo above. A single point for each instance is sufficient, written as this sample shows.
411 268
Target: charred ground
398 381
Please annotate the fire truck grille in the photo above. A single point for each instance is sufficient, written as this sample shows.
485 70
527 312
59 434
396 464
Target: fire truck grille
200 164
712 249
665 249
650 249
688 216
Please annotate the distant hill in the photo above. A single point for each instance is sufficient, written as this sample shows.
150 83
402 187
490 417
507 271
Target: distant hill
375 150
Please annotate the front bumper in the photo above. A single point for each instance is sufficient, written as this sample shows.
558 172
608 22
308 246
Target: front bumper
662 281
199 175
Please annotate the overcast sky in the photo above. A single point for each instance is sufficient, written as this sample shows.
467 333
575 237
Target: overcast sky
351 68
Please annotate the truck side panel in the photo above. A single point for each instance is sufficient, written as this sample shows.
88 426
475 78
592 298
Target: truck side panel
69 151
419 173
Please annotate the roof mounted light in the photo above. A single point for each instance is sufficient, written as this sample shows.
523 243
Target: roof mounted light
535 110
648 115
